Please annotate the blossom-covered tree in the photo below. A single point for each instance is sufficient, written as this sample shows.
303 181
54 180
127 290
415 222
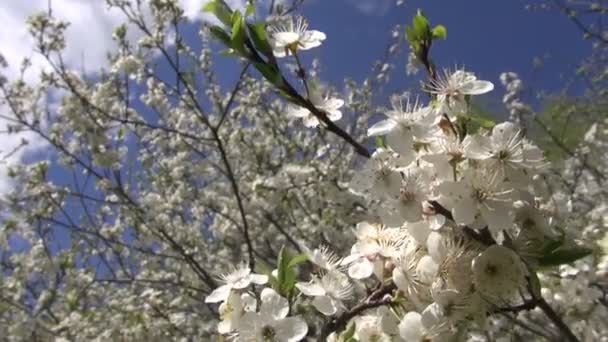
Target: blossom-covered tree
188 210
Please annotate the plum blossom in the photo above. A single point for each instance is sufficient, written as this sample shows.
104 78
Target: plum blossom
330 105
239 279
480 198
451 88
505 151
288 38
406 122
329 292
232 311
498 273
271 322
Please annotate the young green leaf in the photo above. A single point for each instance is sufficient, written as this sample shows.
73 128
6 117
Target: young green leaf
220 35
298 259
238 32
258 35
440 32
220 10
564 255
270 73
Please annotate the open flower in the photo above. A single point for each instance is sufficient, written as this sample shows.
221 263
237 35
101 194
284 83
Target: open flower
406 122
505 151
323 257
292 36
329 105
271 323
414 189
238 279
498 273
451 89
232 311
329 292
480 198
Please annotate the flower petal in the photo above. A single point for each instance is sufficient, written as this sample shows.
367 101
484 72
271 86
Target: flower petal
311 289
273 305
259 279
290 329
325 305
411 328
381 128
219 295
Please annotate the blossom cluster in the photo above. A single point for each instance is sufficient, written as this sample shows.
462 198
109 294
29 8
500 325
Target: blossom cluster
454 234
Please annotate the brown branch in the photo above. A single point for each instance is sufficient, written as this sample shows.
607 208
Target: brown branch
375 299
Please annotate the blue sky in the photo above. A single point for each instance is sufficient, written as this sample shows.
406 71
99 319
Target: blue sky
487 37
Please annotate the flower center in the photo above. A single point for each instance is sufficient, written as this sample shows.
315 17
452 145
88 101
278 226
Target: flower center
268 334
503 155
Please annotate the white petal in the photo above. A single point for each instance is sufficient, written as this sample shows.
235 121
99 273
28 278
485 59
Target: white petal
419 231
436 247
401 141
311 289
249 326
498 218
333 104
399 278
334 115
464 211
273 305
360 269
259 279
427 269
315 35
290 329
225 326
311 121
325 305
219 295
381 128
282 39
411 328
297 112
432 316
477 147
477 87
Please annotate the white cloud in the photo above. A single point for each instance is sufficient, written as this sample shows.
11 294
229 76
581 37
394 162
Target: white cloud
88 39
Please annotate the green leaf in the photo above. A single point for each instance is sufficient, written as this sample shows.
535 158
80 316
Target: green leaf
349 333
250 9
482 122
410 34
286 275
421 26
298 259
270 73
238 32
380 142
564 255
220 10
258 35
220 35
440 32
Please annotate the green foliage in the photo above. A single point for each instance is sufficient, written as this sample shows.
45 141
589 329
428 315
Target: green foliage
564 255
220 10
270 72
348 335
420 36
238 37
258 35
285 280
566 120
